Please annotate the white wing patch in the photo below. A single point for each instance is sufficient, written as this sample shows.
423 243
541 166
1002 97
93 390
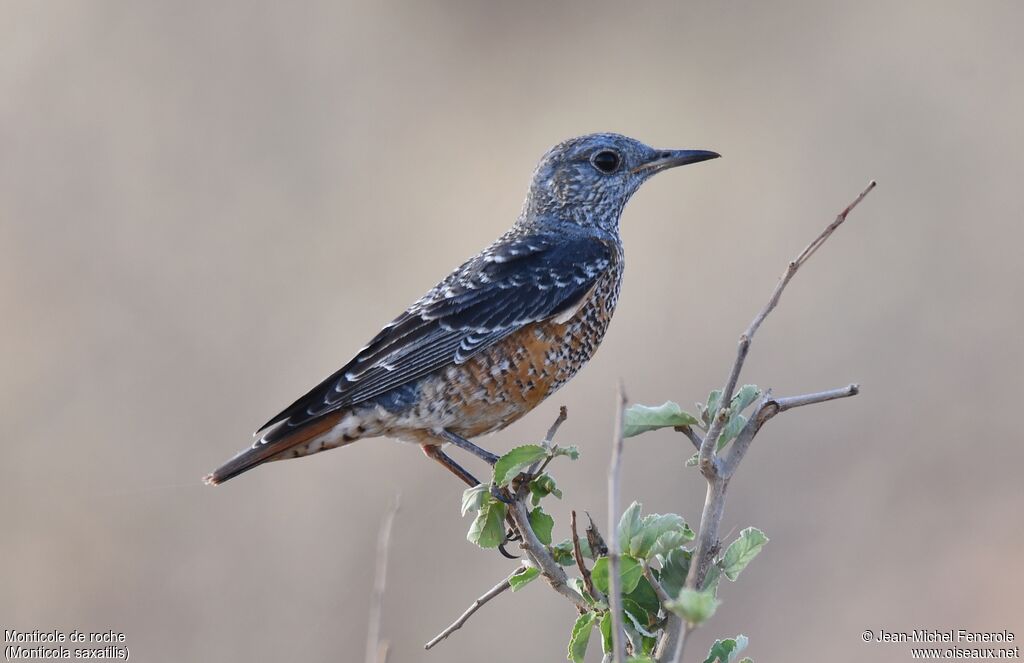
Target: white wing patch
568 314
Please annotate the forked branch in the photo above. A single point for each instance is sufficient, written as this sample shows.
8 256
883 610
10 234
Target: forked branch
711 439
718 470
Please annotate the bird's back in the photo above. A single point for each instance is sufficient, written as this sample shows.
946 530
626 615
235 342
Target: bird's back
511 377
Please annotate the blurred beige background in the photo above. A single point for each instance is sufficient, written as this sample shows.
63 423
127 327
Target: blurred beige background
205 207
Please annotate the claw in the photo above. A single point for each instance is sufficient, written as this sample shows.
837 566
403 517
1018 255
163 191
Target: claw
506 554
511 536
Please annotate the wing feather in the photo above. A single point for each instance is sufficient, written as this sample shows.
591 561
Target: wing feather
513 283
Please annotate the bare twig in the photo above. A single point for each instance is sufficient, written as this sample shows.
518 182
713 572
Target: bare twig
547 442
539 554
457 624
692 434
768 408
658 589
376 650
614 579
707 463
717 471
578 554
563 414
784 404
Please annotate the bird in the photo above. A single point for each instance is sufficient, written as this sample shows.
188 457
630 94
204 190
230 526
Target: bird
499 334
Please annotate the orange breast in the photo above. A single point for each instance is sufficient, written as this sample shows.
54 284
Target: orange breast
510 378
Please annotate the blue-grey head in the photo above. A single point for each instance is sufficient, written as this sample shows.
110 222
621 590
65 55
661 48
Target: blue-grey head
588 180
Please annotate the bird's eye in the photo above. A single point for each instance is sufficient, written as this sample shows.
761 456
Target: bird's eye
606 161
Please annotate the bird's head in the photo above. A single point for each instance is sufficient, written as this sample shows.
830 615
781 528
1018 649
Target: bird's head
587 180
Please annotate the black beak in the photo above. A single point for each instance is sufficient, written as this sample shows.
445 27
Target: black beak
671 158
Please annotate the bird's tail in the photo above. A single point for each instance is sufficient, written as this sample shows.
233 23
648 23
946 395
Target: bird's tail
279 442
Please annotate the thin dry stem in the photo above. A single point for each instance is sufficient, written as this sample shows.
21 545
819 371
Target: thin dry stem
577 553
476 605
614 579
376 650
658 589
707 464
693 435
539 554
563 414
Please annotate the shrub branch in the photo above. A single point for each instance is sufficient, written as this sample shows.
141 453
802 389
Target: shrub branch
717 470
614 551
376 648
464 617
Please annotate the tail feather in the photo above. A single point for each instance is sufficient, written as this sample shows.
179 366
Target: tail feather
271 444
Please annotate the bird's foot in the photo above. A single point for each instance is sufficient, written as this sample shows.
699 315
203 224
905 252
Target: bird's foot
511 536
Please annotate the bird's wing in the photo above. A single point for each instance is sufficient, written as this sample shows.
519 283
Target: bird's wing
513 283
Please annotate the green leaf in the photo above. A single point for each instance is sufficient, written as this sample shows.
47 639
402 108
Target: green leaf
693 460
563 552
599 574
744 397
693 606
741 551
629 570
746 659
488 528
629 525
644 597
674 568
515 461
581 636
606 632
541 487
650 528
522 577
642 418
727 651
711 407
632 572
672 540
658 534
581 589
571 451
637 616
542 525
712 579
653 534
472 498
731 429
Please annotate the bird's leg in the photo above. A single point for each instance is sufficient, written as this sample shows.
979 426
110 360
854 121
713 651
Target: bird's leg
434 452
463 443
487 456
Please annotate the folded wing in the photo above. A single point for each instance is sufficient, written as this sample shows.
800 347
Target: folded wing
512 284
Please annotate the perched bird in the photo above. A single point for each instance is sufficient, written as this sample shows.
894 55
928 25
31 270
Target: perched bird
496 337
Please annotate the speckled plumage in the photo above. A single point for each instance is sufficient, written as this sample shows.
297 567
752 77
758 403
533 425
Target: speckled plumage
497 336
